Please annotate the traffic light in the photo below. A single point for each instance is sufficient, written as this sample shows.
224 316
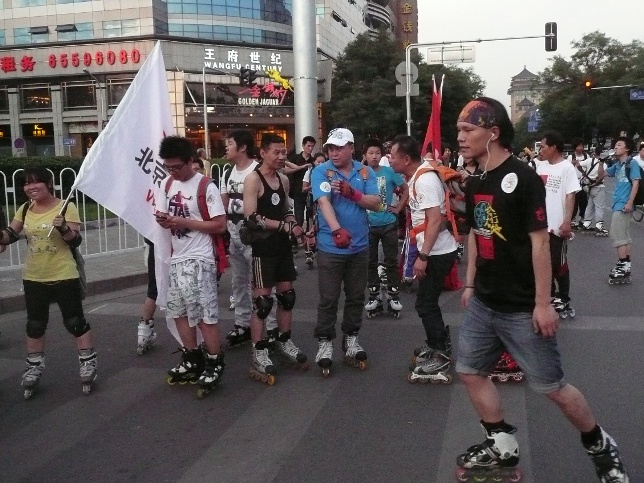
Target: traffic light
588 85
551 37
252 75
247 77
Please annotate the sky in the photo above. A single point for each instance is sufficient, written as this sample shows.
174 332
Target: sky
498 62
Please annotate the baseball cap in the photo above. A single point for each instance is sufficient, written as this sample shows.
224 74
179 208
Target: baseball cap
340 137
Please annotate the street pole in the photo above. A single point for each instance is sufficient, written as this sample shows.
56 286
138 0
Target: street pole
206 140
305 83
103 100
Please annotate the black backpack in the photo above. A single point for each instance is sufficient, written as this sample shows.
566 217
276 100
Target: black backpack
639 196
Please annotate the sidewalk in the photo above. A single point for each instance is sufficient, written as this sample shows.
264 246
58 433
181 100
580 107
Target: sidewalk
105 273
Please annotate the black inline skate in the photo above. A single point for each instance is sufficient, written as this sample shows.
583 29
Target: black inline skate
600 230
289 352
211 375
238 336
354 354
460 250
620 274
431 366
506 369
33 373
88 361
608 464
563 308
382 275
374 305
324 357
189 369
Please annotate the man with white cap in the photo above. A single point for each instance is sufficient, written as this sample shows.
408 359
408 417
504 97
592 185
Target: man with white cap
343 190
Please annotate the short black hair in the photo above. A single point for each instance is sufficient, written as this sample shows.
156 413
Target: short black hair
553 138
598 150
408 146
243 138
317 155
176 147
503 121
627 141
270 138
38 174
372 143
576 142
198 161
308 139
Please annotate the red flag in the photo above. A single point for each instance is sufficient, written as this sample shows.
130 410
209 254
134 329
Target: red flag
433 134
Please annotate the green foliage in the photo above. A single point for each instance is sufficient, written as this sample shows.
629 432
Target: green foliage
575 112
56 163
364 92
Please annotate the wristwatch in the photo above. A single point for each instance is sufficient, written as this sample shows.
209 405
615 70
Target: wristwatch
423 257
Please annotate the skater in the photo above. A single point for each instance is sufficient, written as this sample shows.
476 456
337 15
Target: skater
344 190
562 184
437 251
383 230
240 150
626 185
303 161
50 275
146 333
269 223
310 247
581 198
592 176
192 300
507 298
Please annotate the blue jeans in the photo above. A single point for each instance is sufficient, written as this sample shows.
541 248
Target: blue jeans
485 334
333 271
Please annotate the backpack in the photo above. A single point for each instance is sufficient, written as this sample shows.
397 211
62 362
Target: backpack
76 254
218 243
639 196
454 216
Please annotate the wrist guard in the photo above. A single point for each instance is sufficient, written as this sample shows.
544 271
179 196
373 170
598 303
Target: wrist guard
12 236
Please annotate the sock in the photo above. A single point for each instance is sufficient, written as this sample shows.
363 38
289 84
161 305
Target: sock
592 437
500 426
628 258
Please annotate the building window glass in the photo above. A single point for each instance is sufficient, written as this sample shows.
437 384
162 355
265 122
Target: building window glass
59 2
4 100
84 31
122 28
231 34
29 3
3 41
35 97
117 89
78 95
23 36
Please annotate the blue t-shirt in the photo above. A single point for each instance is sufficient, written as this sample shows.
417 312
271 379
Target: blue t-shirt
622 191
387 181
350 216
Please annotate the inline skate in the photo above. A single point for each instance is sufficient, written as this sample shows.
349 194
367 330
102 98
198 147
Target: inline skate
431 366
563 308
146 336
424 352
189 369
232 303
262 368
620 274
506 369
382 275
87 359
33 373
324 357
354 354
211 376
600 230
374 305
393 302
459 252
608 464
237 336
289 352
495 459
308 254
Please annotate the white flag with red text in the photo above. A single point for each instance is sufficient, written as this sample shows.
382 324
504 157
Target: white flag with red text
122 171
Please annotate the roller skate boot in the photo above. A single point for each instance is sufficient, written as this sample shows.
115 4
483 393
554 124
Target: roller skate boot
146 335
374 305
620 274
495 459
232 302
238 336
262 367
189 369
31 376
354 354
506 369
382 275
289 352
324 357
424 352
407 283
393 302
608 464
88 361
432 367
459 252
308 254
560 307
568 310
211 375
600 230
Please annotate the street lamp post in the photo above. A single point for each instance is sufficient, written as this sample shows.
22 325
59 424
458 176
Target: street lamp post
103 101
206 141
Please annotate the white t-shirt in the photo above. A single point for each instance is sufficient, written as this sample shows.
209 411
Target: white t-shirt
429 193
181 200
560 180
580 158
586 164
384 161
307 175
234 188
640 161
461 162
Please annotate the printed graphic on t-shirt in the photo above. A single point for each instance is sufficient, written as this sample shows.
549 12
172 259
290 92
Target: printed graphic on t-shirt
381 182
178 207
551 182
487 225
235 192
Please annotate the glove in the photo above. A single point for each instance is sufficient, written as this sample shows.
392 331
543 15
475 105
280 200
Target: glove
341 238
255 222
348 192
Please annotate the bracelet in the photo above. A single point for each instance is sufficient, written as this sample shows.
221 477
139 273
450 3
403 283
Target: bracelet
280 226
469 286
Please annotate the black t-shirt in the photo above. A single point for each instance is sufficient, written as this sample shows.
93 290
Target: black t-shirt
297 178
503 208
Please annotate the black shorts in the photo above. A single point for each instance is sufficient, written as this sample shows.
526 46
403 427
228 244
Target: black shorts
152 277
268 271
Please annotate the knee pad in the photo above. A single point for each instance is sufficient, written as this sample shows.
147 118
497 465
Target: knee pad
36 328
262 306
77 326
286 300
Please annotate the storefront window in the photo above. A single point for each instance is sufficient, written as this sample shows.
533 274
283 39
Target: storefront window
117 89
4 99
79 95
35 97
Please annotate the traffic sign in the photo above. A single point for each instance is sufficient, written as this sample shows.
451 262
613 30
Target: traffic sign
401 74
453 54
637 94
69 142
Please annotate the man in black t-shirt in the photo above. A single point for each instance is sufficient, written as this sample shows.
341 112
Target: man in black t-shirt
507 296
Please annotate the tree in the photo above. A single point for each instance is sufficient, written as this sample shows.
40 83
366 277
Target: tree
364 92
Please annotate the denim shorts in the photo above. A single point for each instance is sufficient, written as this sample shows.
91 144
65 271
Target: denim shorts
486 333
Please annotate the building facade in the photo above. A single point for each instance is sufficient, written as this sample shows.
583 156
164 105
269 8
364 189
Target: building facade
66 64
525 94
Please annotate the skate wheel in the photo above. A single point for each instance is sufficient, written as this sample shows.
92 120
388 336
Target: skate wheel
410 378
461 474
304 366
503 377
563 315
87 388
140 351
362 365
611 281
326 372
572 313
448 379
518 377
424 380
270 379
183 382
170 381
28 394
201 392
